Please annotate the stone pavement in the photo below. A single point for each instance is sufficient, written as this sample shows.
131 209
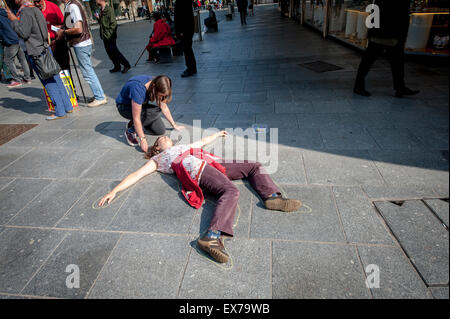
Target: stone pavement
372 173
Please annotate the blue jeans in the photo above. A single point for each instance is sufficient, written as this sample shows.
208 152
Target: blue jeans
57 92
84 62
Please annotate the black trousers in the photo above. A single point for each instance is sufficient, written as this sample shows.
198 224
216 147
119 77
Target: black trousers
243 14
396 56
150 117
186 44
114 54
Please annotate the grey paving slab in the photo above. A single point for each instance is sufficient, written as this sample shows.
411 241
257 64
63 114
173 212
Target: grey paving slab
359 218
396 139
246 276
418 168
10 154
423 237
22 252
86 214
87 250
143 266
317 271
440 208
293 108
345 139
398 192
397 277
442 190
51 204
433 138
308 139
255 108
37 138
317 220
37 163
5 181
207 97
17 195
233 121
76 139
346 167
113 164
374 120
440 292
256 97
332 120
146 208
289 169
276 121
223 108
112 139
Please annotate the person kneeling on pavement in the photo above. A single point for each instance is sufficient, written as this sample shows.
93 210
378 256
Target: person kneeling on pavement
133 104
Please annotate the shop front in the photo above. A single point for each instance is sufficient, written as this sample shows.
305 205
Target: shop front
345 20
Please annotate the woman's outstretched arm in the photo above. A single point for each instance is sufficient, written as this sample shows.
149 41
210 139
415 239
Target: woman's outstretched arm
131 179
209 139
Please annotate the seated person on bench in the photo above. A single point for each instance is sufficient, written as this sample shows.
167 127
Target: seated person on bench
211 21
162 37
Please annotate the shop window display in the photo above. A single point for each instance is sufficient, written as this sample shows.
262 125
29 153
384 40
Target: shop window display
315 12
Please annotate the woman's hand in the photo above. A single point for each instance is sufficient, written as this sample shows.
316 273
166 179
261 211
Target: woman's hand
179 127
107 199
144 145
222 133
11 15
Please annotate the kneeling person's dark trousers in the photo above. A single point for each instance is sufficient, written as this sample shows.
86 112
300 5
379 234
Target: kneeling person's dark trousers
150 117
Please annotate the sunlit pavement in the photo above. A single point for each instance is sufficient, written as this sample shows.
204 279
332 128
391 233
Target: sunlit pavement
372 174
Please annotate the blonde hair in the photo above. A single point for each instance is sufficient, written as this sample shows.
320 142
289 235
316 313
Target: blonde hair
160 84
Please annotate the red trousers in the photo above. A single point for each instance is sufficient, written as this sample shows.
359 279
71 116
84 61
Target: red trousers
216 183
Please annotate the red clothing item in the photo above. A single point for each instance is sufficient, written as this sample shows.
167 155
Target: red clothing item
162 35
189 187
53 15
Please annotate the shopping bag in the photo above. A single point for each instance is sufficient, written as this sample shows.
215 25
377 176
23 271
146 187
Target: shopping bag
68 84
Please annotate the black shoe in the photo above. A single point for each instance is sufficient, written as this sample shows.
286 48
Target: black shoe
406 92
361 91
114 70
126 69
186 74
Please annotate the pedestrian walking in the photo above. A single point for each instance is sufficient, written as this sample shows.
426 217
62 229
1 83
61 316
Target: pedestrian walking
184 29
251 12
242 8
11 51
134 104
200 171
78 35
30 25
108 33
389 39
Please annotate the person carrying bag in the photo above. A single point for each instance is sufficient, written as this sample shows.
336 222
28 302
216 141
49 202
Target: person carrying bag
29 25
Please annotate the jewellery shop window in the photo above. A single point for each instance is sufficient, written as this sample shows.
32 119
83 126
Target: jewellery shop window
347 21
428 27
315 11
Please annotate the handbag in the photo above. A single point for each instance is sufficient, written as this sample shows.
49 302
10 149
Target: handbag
46 65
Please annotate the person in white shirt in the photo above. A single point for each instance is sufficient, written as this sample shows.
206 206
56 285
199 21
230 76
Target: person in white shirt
78 35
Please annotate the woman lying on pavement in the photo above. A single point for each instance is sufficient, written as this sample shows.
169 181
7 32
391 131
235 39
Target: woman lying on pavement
199 170
133 104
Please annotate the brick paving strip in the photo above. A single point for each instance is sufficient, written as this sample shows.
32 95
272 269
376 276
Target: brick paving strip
10 131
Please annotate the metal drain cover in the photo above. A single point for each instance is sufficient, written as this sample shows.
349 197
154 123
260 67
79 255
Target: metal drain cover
320 66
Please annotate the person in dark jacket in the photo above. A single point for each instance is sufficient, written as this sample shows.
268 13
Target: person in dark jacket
184 29
242 8
12 49
108 33
211 20
390 38
32 28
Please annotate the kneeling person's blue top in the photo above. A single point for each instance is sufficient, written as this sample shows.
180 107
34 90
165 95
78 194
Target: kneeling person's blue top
134 90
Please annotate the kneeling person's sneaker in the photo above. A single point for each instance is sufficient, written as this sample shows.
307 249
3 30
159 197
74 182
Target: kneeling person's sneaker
97 103
282 204
14 84
131 136
214 247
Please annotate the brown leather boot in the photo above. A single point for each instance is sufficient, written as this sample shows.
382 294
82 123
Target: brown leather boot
214 247
282 204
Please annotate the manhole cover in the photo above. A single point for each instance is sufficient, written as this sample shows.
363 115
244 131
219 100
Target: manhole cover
10 131
320 66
